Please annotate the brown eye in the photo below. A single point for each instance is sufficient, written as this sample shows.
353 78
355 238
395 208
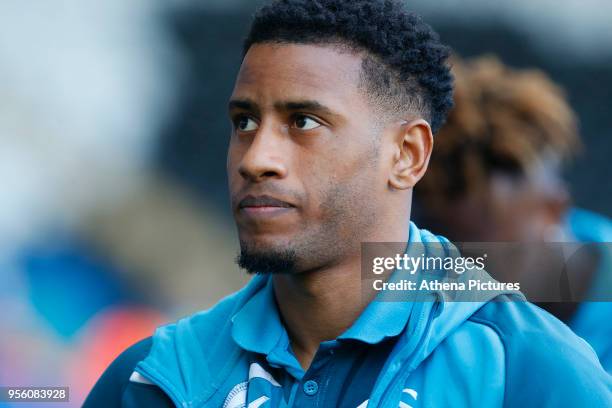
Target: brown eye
304 122
246 124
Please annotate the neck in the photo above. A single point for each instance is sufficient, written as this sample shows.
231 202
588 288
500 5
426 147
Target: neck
319 305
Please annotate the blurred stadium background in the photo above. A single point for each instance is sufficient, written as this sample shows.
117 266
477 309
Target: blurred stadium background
114 211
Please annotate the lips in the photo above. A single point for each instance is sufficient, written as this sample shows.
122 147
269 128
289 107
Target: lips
262 212
263 201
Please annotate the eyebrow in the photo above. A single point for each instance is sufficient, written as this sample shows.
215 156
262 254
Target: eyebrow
312 106
307 105
244 104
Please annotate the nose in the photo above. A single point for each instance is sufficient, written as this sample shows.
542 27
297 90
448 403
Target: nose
264 158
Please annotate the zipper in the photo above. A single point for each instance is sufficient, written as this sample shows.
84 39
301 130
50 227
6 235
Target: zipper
403 373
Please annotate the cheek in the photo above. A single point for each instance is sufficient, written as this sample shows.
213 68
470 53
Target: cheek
338 177
348 190
234 155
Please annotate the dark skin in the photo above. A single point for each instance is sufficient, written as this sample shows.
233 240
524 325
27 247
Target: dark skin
516 209
507 209
324 171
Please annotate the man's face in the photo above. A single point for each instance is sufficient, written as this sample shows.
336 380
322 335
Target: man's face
302 162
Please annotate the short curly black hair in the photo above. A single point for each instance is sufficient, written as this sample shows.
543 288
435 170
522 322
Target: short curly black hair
405 62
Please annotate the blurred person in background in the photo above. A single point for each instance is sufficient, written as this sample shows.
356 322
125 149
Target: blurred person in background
496 175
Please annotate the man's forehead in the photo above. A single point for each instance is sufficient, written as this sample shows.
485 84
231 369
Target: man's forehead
269 67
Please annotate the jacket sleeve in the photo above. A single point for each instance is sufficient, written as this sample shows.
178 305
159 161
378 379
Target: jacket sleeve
547 365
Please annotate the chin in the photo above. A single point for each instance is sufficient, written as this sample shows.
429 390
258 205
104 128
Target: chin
257 257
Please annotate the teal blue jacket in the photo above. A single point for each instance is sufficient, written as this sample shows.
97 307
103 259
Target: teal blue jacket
502 352
592 319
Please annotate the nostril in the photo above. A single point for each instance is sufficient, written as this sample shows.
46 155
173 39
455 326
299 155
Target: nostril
254 175
245 174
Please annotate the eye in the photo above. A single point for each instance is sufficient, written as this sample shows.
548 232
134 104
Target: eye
304 122
246 124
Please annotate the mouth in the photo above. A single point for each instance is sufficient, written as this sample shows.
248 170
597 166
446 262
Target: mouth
263 206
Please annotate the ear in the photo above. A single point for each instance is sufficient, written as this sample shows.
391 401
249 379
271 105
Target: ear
412 150
557 204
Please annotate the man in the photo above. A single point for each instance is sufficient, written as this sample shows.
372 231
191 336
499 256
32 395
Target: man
333 112
495 175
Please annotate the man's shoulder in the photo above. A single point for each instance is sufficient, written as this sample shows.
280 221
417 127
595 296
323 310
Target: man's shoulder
122 367
523 325
201 332
110 387
507 315
542 355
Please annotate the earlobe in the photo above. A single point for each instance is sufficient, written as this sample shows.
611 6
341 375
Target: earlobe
414 143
